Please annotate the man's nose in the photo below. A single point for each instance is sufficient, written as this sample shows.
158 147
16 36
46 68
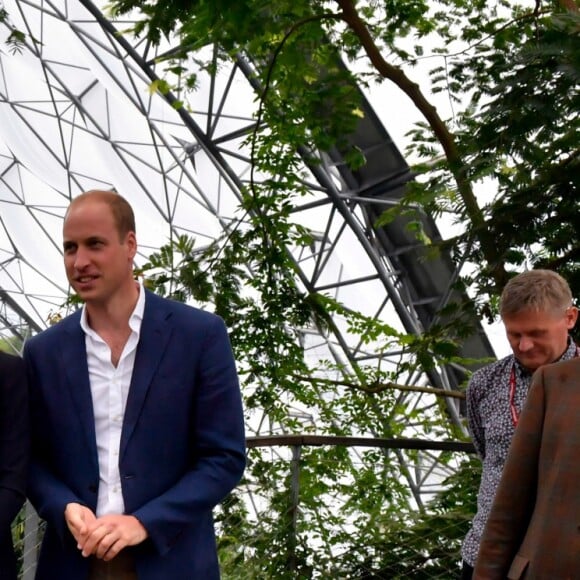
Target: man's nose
81 259
525 344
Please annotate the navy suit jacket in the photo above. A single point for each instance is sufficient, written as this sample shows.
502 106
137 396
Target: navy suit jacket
182 444
13 454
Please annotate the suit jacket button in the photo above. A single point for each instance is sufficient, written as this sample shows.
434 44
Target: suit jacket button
93 488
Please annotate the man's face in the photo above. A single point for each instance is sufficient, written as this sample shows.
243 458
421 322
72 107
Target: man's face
98 264
539 337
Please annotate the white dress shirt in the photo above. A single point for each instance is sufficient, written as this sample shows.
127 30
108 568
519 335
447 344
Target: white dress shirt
109 391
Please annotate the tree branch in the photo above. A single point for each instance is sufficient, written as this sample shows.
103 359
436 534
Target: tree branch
380 387
570 5
444 136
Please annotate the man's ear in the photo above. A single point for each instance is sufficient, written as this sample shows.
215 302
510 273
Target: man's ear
131 243
571 317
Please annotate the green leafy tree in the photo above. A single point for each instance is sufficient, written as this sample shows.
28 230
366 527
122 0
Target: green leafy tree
492 79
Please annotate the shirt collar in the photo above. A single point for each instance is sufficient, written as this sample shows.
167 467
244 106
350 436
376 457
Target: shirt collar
134 320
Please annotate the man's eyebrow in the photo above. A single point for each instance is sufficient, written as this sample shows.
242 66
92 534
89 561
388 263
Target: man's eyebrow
88 240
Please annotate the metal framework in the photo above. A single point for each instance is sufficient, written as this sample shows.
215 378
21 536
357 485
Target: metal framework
77 113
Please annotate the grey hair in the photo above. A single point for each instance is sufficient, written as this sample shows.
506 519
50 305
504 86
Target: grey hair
535 290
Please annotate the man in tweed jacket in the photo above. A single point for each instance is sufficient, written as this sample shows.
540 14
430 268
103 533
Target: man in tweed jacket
537 312
533 531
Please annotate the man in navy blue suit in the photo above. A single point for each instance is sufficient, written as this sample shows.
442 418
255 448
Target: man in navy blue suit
13 454
137 417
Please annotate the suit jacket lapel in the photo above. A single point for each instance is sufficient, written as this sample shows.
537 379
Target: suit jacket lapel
153 338
74 361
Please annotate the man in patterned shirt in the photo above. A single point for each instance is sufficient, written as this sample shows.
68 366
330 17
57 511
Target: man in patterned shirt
537 312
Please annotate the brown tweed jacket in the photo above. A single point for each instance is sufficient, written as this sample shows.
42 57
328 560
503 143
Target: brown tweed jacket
533 531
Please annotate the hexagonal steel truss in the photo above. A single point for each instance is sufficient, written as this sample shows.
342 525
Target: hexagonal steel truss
77 113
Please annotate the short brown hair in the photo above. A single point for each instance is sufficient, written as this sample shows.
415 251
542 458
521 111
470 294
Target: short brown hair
120 208
535 290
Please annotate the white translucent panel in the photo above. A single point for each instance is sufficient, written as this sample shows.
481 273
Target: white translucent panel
214 188
33 191
27 146
109 70
27 245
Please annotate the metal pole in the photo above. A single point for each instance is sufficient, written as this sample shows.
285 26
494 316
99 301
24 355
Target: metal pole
294 501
